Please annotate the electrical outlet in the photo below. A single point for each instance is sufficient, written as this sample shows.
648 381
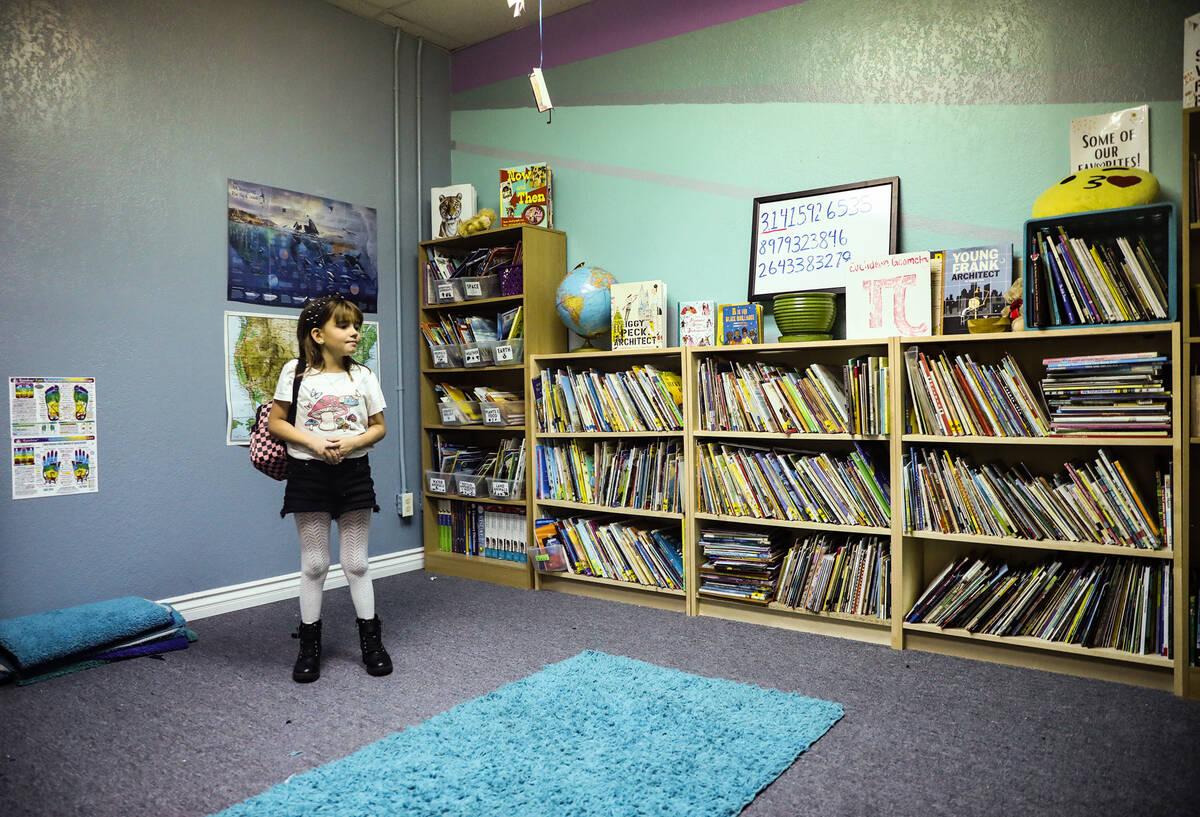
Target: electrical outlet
406 504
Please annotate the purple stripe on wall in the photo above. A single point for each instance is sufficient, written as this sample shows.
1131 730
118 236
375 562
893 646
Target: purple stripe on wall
600 27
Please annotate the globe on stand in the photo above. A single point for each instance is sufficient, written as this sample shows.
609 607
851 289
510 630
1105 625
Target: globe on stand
582 301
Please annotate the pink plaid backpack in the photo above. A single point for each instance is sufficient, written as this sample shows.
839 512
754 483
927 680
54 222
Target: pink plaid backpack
268 454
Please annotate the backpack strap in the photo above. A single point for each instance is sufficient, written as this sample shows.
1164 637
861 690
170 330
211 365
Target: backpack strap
291 417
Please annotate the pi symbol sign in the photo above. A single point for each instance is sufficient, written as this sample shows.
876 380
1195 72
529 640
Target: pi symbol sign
898 287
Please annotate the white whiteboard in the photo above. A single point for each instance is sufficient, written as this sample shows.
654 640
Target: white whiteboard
806 240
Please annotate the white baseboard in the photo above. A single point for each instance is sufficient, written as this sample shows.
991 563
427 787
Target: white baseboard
264 591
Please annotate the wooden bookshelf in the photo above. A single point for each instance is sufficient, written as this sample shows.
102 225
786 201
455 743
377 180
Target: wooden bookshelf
671 359
544 256
1188 682
925 553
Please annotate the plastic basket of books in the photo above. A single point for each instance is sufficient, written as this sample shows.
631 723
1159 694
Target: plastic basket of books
487 286
550 558
506 488
470 485
509 352
511 413
463 413
446 355
447 292
439 483
478 353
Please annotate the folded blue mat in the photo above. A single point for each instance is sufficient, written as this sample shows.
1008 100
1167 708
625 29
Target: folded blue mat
48 638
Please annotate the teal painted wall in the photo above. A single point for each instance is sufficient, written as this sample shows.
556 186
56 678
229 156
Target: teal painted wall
658 150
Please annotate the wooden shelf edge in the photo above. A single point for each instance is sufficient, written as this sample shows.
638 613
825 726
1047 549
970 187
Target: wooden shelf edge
600 435
784 523
775 435
584 358
482 370
1029 642
516 503
565 505
1158 327
1038 544
641 588
937 439
499 299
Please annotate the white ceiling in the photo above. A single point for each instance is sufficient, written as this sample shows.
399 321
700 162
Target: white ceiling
453 24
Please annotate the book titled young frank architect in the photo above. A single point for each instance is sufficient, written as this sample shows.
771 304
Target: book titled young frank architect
975 281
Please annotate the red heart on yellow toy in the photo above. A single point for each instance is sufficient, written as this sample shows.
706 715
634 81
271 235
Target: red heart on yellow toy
1123 181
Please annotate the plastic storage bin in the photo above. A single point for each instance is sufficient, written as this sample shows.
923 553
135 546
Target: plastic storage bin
504 414
478 353
459 414
549 559
446 356
506 488
438 483
487 286
447 292
470 485
509 352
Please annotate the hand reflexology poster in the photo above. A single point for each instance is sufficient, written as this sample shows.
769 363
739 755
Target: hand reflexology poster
53 433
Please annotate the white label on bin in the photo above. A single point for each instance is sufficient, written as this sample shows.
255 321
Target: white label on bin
473 288
437 485
466 488
445 292
471 355
440 357
499 489
491 416
448 415
504 354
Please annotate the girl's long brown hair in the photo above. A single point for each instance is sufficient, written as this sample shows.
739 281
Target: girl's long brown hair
315 315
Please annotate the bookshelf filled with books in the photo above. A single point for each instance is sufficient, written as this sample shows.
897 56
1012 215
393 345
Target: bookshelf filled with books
1039 520
1189 583
791 524
608 474
486 306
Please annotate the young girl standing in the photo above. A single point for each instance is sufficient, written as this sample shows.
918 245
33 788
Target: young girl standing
339 416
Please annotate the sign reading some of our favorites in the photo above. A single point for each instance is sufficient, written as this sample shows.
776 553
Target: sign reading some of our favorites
1120 139
888 296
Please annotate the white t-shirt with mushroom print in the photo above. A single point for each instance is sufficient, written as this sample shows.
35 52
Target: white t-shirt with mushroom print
331 404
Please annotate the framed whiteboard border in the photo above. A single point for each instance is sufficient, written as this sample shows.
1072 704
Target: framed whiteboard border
800 195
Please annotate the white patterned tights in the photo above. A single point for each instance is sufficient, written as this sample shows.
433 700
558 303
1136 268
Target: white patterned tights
313 527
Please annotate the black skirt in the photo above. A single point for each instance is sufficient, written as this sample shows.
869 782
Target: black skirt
315 485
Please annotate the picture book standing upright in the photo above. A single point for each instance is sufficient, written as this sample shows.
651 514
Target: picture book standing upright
975 281
697 323
639 315
526 197
739 323
451 205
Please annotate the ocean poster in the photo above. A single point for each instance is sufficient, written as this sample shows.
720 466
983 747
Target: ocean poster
286 248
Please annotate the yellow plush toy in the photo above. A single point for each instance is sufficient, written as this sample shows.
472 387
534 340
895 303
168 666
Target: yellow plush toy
1099 188
477 223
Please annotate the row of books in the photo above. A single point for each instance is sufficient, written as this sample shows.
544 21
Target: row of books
760 396
961 397
739 564
473 529
450 329
619 550
792 485
647 476
1088 502
641 399
1107 394
822 576
1119 603
1106 281
506 461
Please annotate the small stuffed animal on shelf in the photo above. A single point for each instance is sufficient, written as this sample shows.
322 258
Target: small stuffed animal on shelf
477 223
1012 306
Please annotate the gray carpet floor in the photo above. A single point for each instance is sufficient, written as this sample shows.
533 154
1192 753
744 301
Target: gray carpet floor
923 734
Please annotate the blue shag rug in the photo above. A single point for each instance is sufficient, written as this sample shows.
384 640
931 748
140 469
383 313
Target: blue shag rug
593 735
49 638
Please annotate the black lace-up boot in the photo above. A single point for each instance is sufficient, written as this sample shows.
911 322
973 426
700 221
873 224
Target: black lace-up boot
371 640
308 663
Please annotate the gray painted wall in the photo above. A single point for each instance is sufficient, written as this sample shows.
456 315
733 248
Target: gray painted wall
120 123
